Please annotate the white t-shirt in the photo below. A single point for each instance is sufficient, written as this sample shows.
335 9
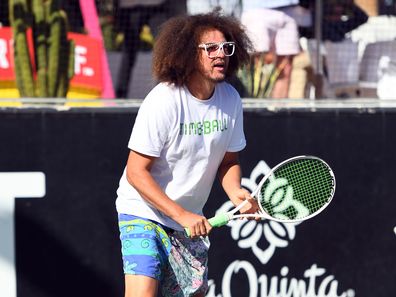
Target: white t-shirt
189 137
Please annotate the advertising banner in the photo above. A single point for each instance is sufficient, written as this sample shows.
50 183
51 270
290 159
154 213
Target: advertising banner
88 65
59 172
87 79
8 87
7 71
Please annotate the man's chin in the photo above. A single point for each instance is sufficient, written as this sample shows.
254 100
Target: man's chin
219 79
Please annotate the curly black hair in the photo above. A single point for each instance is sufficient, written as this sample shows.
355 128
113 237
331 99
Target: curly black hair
175 53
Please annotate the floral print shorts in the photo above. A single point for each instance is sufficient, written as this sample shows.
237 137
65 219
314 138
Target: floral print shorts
153 250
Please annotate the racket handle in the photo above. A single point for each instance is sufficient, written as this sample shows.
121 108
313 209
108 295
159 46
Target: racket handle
217 221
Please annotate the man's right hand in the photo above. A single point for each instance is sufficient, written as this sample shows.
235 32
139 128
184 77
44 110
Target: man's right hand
195 224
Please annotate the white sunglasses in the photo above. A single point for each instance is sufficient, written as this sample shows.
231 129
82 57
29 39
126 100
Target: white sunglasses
212 49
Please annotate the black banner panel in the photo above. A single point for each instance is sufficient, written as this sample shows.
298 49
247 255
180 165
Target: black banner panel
59 171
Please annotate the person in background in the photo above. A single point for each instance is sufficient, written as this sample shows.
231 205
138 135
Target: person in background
275 33
132 17
228 7
339 17
4 14
340 21
189 129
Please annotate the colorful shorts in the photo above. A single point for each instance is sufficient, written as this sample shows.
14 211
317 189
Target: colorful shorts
153 250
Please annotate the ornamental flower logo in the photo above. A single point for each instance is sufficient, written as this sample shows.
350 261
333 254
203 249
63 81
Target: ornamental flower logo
278 195
265 236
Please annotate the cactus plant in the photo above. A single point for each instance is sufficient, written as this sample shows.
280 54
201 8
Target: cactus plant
40 32
53 51
259 76
23 67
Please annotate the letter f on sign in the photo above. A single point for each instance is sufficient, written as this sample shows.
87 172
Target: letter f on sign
3 55
14 185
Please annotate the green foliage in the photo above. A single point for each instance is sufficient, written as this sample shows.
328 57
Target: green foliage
23 68
53 51
258 77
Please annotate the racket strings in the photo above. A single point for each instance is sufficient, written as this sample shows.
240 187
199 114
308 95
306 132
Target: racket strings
314 190
309 187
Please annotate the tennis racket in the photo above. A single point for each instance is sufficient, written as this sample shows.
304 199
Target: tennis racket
295 190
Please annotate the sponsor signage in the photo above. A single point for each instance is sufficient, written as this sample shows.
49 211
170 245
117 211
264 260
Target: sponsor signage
7 71
14 185
263 240
7 65
71 235
87 67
